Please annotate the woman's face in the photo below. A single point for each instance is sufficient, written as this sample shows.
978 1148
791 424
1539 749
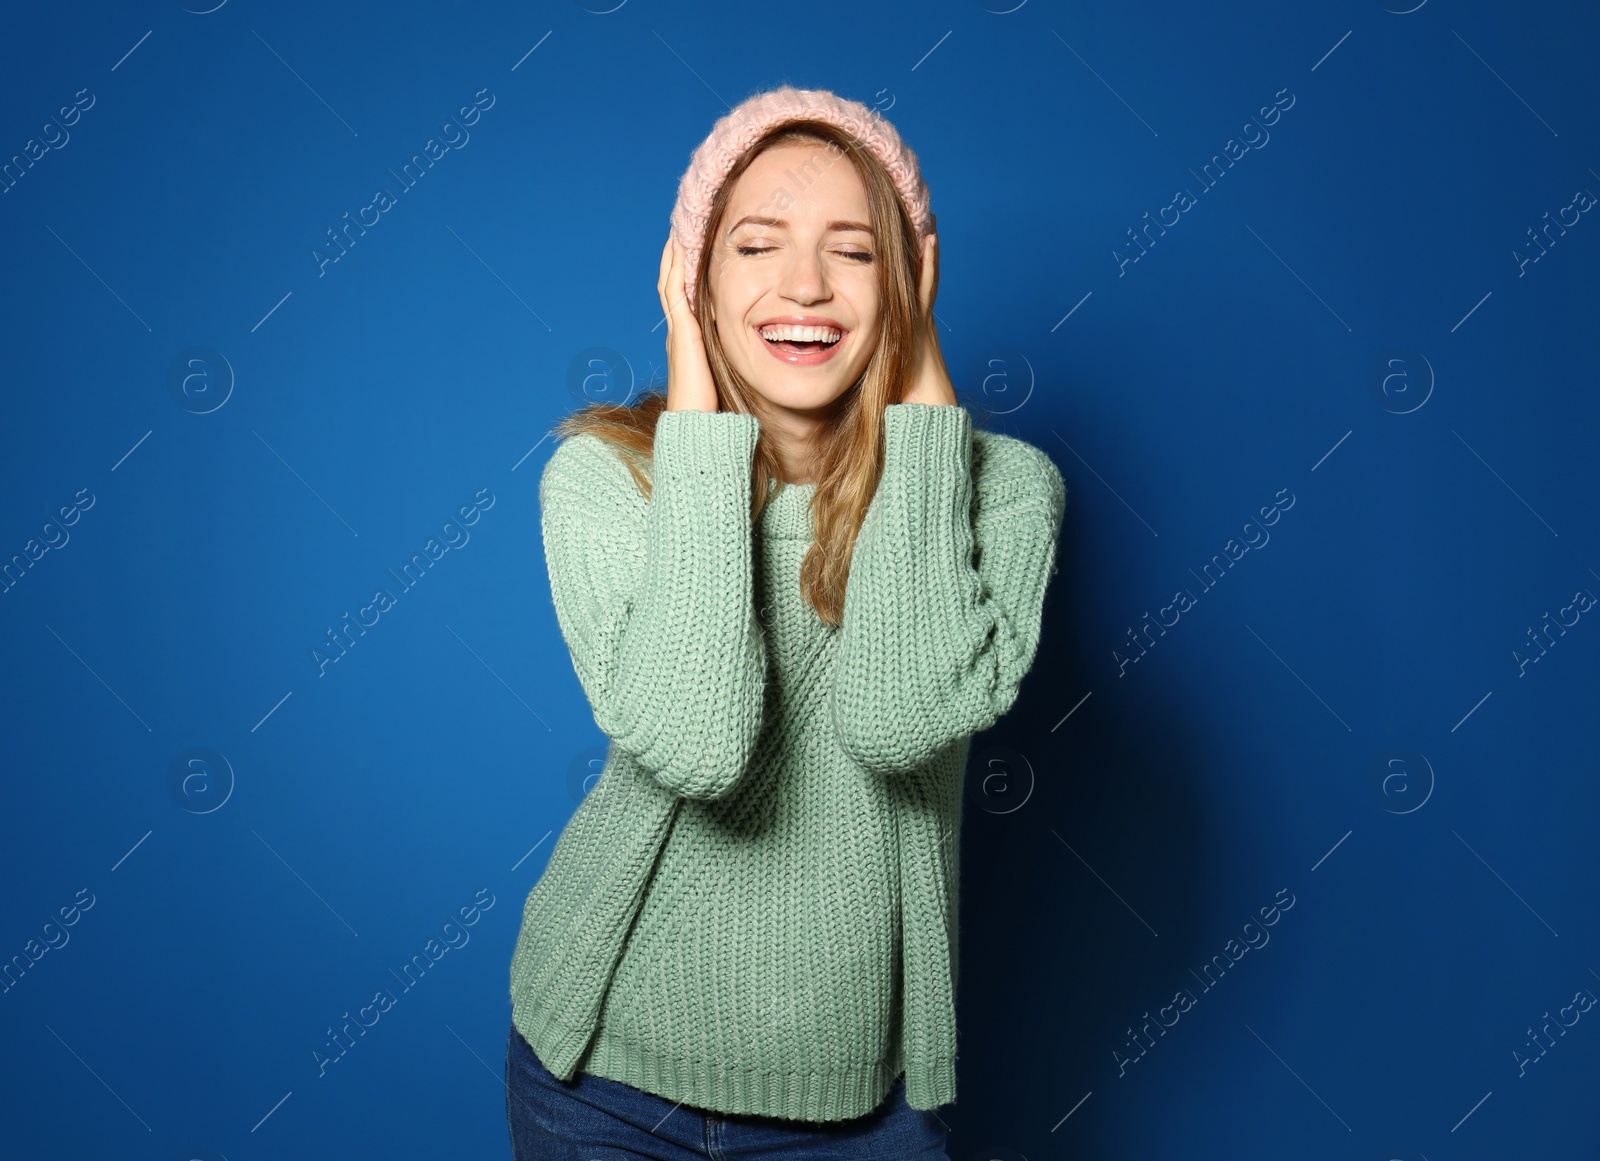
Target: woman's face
797 254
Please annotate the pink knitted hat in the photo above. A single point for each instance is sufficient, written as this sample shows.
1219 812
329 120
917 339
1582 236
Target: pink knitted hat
753 117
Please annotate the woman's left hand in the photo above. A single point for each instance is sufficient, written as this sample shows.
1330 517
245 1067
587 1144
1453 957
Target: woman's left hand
930 381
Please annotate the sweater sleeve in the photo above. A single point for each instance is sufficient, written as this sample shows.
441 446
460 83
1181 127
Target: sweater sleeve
945 596
655 599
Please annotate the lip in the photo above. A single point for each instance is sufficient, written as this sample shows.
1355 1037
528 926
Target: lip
797 358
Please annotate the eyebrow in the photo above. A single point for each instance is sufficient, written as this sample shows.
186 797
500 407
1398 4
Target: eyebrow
780 224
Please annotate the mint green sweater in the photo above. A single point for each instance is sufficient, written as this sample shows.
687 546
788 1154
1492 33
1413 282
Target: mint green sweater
755 908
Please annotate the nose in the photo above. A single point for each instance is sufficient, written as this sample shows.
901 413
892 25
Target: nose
804 278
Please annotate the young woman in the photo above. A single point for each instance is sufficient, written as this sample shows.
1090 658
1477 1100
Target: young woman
792 589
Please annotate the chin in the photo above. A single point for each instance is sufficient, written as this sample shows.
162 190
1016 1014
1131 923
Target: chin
796 394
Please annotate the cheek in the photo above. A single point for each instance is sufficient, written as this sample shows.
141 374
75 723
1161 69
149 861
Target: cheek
869 303
730 333
732 304
870 331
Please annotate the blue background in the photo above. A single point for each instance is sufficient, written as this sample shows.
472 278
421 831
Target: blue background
247 439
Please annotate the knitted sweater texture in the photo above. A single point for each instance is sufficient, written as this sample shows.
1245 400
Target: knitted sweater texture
754 910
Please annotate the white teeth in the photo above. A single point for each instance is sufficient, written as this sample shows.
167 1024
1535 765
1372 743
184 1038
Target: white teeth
774 334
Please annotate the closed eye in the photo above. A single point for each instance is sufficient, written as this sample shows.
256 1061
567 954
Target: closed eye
859 255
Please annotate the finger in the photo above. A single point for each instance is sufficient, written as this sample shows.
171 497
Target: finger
674 291
664 272
930 271
925 283
680 296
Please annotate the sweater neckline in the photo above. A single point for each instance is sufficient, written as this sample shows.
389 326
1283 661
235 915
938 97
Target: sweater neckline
787 512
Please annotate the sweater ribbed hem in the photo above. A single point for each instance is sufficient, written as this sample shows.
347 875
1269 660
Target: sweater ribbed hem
557 1045
693 445
831 1095
928 439
932 1085
827 1094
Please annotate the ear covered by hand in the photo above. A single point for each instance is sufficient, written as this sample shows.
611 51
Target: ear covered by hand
690 386
930 381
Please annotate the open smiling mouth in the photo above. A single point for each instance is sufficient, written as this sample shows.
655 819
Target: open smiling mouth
802 352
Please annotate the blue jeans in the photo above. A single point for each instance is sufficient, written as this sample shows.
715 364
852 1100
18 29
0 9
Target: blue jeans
591 1118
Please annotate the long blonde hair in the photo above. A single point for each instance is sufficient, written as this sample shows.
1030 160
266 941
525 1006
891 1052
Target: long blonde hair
849 455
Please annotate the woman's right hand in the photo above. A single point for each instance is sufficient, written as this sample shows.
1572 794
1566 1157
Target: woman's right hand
690 386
